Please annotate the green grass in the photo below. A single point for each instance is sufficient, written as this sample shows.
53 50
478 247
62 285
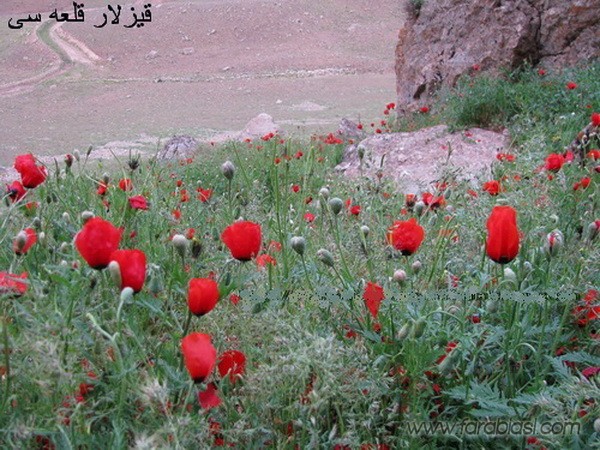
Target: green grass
321 371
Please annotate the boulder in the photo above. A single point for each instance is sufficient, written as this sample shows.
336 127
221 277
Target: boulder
178 147
417 159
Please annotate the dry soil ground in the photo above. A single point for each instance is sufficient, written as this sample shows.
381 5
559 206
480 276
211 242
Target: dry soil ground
198 68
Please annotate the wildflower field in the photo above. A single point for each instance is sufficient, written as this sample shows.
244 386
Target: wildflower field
249 297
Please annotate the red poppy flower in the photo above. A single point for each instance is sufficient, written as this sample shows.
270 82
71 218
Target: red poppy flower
593 154
203 295
589 372
12 284
571 85
138 202
125 184
97 240
32 175
595 119
502 245
102 188
234 299
204 195
554 162
541 72
424 109
355 210
373 296
406 236
264 259
22 246
15 191
492 187
199 355
295 188
209 398
309 217
243 239
132 264
433 201
232 362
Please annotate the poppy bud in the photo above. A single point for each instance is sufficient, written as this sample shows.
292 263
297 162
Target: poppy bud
86 215
405 330
155 283
365 231
20 241
325 257
324 192
115 272
180 243
105 178
36 223
336 204
416 266
419 208
298 243
554 218
42 238
66 217
597 425
554 242
592 230
418 329
527 266
228 170
126 294
510 276
76 155
399 276
64 247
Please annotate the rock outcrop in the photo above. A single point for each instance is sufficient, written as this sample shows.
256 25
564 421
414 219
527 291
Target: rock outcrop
417 159
444 39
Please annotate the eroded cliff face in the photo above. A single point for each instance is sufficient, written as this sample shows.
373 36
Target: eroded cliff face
449 38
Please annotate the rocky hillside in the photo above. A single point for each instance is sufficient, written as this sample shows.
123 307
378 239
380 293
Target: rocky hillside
444 39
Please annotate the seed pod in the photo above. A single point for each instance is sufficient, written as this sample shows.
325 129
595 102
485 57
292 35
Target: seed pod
298 243
336 204
324 192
